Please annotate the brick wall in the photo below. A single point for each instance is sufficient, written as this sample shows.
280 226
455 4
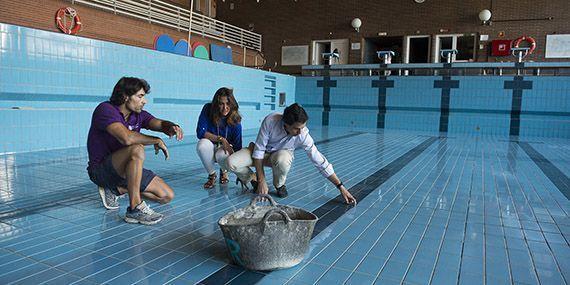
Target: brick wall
101 24
285 23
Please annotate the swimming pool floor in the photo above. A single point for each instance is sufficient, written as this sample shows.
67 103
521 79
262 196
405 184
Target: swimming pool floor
431 210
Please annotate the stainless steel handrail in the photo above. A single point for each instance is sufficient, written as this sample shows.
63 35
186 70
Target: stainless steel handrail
439 69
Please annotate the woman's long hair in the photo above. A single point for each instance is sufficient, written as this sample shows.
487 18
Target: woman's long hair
233 117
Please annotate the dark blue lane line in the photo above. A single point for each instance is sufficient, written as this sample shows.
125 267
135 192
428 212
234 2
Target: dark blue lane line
328 213
352 134
518 85
326 84
446 84
558 178
382 84
334 208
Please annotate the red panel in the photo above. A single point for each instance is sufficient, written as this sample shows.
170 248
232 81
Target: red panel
501 47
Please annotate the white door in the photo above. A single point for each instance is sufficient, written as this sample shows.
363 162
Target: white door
318 49
343 49
326 46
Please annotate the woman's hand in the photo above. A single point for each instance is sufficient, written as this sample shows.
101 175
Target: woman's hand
227 147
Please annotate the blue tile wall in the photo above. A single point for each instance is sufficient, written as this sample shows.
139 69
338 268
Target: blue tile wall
352 104
353 92
51 82
416 92
306 88
481 104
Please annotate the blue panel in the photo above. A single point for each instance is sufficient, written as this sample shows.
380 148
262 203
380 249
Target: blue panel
221 53
164 43
181 47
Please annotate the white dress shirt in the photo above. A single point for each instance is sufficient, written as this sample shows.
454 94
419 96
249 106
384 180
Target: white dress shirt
273 137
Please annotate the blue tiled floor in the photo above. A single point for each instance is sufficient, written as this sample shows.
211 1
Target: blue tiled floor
434 210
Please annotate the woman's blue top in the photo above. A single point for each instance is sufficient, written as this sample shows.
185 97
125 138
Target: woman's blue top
231 133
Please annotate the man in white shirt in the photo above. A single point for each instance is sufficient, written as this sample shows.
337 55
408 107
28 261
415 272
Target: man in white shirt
278 137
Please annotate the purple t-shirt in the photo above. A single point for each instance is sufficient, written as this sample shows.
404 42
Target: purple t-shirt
101 143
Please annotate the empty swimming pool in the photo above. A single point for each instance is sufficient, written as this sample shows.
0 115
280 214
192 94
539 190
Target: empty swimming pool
432 210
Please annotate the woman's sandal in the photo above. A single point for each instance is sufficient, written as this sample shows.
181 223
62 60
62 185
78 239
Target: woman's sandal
211 181
244 186
224 177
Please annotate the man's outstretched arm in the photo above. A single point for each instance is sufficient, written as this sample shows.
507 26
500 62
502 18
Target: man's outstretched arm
326 168
166 127
348 198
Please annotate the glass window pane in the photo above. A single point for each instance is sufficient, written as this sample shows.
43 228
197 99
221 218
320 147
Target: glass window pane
445 43
465 47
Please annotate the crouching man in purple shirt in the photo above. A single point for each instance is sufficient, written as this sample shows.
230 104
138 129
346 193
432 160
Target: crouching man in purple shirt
116 151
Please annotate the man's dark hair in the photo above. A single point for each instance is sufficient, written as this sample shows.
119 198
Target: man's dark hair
128 86
295 114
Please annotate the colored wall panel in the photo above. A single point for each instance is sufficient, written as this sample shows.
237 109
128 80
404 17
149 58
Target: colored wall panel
221 53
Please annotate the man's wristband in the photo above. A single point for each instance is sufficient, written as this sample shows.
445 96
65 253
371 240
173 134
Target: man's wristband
339 185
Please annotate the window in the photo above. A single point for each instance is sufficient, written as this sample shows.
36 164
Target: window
205 7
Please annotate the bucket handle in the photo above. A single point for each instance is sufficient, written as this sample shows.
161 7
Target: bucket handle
270 213
259 198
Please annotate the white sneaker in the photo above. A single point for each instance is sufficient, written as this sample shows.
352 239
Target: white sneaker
109 199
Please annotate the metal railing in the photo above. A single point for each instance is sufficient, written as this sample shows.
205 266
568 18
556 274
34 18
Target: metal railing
162 13
438 69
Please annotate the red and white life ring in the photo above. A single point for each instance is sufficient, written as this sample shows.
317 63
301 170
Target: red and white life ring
68 21
529 40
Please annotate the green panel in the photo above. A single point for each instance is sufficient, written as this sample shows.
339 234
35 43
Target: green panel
201 52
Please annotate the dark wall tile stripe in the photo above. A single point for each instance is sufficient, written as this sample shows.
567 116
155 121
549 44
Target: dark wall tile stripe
199 102
326 84
517 85
446 84
382 84
438 110
9 96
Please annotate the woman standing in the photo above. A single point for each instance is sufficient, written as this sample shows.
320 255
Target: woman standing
219 134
